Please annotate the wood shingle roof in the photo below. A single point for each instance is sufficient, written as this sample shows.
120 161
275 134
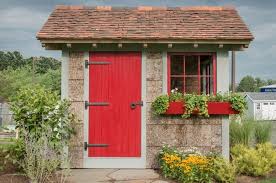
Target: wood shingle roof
144 23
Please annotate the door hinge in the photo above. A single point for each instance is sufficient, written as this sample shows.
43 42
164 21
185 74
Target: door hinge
87 63
87 104
86 145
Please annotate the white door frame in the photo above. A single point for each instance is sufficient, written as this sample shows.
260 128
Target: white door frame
117 162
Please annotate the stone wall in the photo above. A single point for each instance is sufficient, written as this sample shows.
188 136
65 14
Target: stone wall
204 134
75 95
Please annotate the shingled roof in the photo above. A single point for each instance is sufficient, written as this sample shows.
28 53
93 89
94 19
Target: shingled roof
144 23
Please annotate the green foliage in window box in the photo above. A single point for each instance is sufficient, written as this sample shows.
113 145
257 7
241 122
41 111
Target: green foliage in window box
238 102
176 96
160 104
197 103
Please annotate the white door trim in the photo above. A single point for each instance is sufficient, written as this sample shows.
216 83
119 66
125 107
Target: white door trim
117 162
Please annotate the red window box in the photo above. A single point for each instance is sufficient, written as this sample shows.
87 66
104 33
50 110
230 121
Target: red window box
177 108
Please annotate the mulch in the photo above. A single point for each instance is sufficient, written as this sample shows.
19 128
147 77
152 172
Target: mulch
249 179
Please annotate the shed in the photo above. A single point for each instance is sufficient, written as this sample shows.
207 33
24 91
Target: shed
116 61
268 88
261 105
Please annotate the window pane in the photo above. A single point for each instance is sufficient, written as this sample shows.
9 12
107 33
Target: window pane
191 85
206 70
206 85
177 65
177 83
191 65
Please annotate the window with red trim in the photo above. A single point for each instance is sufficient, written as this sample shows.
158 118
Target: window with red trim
192 73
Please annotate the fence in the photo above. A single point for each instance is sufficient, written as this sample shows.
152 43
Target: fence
5 115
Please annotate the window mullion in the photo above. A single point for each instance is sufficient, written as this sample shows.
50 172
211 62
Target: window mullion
184 75
198 73
214 74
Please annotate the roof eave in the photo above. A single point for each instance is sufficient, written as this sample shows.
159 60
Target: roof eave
179 41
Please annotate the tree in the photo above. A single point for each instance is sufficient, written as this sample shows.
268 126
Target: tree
11 59
247 84
15 60
43 64
12 80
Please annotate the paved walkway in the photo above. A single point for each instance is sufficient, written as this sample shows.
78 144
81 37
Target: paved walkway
115 176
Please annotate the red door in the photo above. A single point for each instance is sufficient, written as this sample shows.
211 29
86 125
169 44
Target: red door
114 84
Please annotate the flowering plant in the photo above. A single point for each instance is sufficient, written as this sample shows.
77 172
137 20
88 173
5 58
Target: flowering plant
191 166
184 167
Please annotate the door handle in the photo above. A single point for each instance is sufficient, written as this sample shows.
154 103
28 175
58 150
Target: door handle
134 104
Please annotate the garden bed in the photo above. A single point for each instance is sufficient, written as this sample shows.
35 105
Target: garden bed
214 108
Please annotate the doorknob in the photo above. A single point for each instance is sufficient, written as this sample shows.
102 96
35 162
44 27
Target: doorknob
134 104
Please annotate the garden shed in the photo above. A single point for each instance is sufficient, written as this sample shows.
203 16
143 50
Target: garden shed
261 105
116 61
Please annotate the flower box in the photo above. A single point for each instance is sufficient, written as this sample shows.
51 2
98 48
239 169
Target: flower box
177 108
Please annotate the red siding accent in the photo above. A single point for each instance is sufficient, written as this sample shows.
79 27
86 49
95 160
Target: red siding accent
118 83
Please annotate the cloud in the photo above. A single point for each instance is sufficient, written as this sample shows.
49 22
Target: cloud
21 18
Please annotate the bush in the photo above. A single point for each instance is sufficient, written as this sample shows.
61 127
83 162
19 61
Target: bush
257 161
193 167
262 132
35 108
41 159
241 132
45 127
223 170
14 152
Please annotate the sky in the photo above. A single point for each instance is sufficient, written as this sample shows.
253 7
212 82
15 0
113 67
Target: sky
20 20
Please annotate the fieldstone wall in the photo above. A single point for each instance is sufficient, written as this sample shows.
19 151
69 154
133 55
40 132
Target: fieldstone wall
75 95
204 134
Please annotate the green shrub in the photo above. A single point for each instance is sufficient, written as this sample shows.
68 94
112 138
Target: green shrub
223 170
266 150
36 108
45 126
262 132
253 161
160 104
14 152
241 132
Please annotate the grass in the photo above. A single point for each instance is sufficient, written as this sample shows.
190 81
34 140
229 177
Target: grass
263 132
272 180
248 132
241 132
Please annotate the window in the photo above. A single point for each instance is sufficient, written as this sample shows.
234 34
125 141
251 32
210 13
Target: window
265 103
258 106
192 73
272 103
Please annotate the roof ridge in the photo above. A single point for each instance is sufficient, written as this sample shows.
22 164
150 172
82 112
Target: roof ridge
146 8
